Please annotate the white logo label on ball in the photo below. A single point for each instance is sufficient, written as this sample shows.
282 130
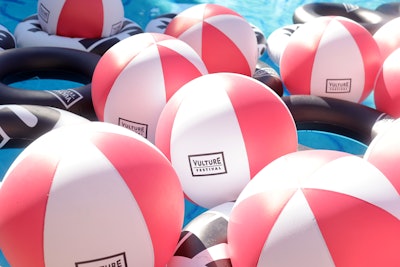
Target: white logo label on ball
139 128
207 164
118 260
338 86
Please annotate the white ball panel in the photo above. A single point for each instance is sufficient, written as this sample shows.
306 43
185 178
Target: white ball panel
278 177
193 38
361 173
117 105
70 205
332 63
240 32
49 10
185 50
297 224
112 10
204 108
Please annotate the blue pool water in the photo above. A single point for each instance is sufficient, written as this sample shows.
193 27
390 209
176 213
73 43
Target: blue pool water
268 15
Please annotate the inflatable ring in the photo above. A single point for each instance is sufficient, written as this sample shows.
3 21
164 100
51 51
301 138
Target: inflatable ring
268 76
7 40
29 33
203 241
49 62
391 9
159 23
372 20
337 116
22 124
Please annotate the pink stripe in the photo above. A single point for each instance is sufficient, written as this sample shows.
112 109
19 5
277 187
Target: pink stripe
180 24
81 19
177 70
267 126
298 57
155 186
23 201
251 222
357 233
370 54
109 67
220 53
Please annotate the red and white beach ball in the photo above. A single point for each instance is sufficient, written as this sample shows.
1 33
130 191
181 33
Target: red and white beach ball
316 208
219 130
386 90
93 194
331 56
203 241
223 38
384 152
135 78
388 37
77 18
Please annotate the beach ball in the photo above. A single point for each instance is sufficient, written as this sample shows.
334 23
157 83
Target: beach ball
331 56
219 130
316 208
85 19
388 37
386 90
135 78
93 194
384 152
223 38
203 242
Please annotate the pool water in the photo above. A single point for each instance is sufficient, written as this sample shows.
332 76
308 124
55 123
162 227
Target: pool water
267 15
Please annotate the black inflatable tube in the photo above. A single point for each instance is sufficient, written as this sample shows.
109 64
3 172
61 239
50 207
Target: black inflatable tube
268 76
391 9
337 116
372 20
22 124
7 40
49 62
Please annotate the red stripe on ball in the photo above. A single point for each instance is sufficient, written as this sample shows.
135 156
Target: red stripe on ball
176 72
272 111
300 49
22 220
218 49
350 213
76 13
258 218
151 177
365 45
